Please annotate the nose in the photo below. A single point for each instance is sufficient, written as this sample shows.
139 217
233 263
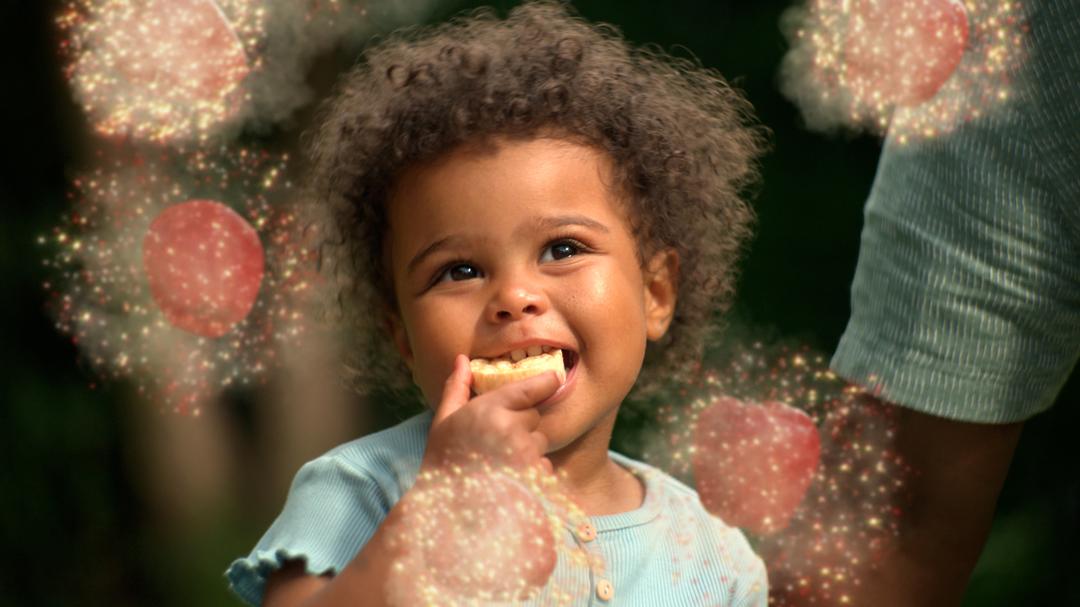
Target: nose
515 301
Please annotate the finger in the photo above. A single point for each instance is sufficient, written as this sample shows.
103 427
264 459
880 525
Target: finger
546 466
540 443
524 448
527 392
456 389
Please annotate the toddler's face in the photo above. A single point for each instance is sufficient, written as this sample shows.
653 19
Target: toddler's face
518 244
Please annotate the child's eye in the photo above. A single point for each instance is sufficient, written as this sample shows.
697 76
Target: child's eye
461 271
560 250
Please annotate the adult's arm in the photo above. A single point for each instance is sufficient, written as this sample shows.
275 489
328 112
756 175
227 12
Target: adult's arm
898 514
966 301
957 471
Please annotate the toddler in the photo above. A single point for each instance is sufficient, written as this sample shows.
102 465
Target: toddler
507 189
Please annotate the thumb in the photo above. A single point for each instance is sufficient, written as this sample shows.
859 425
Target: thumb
456 390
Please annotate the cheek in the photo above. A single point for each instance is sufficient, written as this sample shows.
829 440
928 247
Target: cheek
604 287
430 375
605 284
610 315
437 335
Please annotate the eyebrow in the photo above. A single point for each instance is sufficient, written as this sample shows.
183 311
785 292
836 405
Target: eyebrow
546 223
571 220
438 245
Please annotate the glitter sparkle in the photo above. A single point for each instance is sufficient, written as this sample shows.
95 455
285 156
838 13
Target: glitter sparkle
753 462
160 69
490 533
101 296
204 264
896 64
850 512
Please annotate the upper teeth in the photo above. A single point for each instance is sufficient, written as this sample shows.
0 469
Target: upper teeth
519 354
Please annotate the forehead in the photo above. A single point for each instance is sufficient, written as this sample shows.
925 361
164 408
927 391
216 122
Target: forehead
503 180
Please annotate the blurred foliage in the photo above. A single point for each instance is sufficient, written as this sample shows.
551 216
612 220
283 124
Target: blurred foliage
74 525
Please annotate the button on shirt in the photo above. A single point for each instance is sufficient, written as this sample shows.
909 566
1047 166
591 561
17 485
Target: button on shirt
604 590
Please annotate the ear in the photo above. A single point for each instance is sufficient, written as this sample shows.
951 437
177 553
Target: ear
396 329
661 275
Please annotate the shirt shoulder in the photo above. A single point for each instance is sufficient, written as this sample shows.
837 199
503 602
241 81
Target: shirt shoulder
335 504
390 457
686 546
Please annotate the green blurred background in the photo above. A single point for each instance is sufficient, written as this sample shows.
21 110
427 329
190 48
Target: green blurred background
105 501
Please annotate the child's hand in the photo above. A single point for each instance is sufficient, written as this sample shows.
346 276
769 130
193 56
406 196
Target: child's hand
501 424
470 550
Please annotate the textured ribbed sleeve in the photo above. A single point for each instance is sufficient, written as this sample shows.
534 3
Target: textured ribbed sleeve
966 299
335 505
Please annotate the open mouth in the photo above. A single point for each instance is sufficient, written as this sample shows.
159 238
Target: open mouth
569 358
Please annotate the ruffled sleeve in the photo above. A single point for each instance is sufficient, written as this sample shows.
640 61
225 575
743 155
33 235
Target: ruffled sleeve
334 507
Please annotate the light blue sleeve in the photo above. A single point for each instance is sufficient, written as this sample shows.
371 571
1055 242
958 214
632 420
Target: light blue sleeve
333 509
334 506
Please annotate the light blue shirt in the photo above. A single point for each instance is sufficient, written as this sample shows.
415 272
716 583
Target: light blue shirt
670 551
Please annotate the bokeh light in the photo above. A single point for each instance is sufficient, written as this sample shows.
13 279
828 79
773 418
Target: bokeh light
204 264
903 51
160 69
848 518
917 68
486 532
753 461
101 296
849 521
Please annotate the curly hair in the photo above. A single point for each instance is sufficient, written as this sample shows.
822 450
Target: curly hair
683 143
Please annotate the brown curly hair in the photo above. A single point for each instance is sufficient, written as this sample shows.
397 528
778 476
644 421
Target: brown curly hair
683 142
